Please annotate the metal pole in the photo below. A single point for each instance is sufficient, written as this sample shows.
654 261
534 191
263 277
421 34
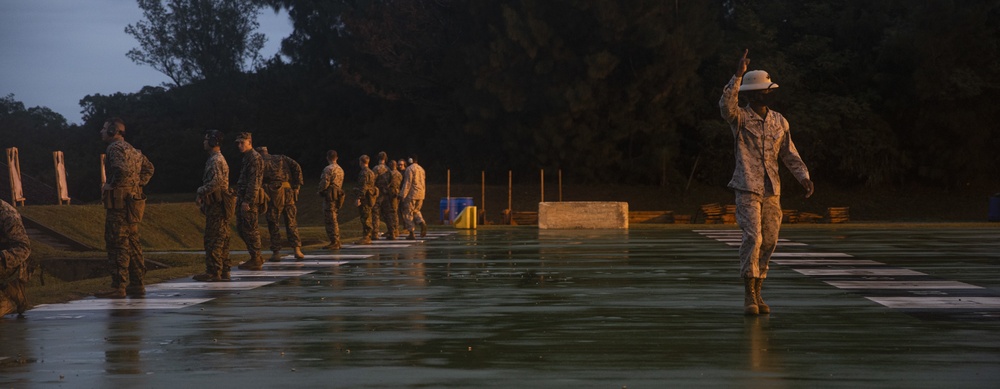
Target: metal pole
447 207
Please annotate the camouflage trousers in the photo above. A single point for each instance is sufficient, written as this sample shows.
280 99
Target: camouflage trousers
759 217
247 226
121 239
12 293
216 238
376 216
388 208
284 213
330 221
411 213
365 216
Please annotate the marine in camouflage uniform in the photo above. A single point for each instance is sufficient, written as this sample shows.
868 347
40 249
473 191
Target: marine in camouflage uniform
282 180
127 171
214 200
14 250
401 220
411 194
388 183
249 199
377 213
761 137
367 194
331 184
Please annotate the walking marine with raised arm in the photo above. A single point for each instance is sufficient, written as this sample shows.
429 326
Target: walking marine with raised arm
761 137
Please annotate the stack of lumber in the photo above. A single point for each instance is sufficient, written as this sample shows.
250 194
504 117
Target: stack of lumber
838 214
712 212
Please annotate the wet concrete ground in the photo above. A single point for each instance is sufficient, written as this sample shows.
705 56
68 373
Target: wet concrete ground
519 307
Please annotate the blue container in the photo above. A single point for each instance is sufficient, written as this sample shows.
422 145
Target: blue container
456 207
995 208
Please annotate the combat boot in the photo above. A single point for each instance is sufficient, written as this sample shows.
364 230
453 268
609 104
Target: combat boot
365 240
276 257
207 277
298 253
15 293
333 246
6 306
761 307
113 293
135 290
252 264
390 236
225 273
423 230
749 298
411 237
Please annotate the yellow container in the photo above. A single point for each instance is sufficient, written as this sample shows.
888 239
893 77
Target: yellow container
467 219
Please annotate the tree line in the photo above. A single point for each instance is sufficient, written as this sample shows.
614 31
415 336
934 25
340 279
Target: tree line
877 93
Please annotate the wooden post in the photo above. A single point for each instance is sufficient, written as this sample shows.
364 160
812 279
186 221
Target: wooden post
543 185
560 184
62 193
482 203
510 196
14 168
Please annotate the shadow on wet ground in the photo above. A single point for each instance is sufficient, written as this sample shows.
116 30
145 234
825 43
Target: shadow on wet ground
519 307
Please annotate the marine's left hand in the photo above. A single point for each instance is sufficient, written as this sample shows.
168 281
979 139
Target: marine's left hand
808 185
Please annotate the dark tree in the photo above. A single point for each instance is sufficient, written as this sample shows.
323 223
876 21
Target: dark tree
190 40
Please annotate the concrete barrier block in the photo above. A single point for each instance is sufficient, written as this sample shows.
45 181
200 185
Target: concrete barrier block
583 215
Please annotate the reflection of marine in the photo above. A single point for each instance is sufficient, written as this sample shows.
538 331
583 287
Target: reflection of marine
215 201
331 184
412 194
366 193
388 183
281 181
14 251
127 171
379 168
249 199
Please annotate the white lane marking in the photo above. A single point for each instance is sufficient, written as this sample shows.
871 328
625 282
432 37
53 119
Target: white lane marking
780 244
230 285
859 272
845 262
270 273
106 304
328 256
372 246
810 255
938 302
304 264
909 285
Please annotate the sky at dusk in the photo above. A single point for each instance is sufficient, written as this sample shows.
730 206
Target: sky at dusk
55 52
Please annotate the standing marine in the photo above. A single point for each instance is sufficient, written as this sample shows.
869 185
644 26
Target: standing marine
216 203
14 250
412 193
388 183
249 199
379 168
127 171
282 180
331 184
367 194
